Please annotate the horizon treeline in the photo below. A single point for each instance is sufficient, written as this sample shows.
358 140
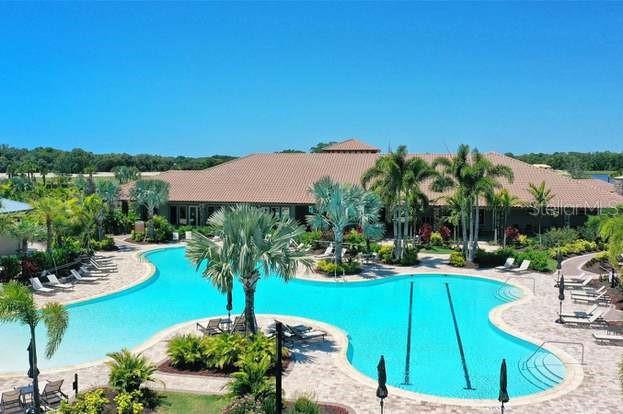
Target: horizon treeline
580 161
46 159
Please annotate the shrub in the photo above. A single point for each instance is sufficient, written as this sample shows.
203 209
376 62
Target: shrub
311 238
409 257
106 244
355 242
252 378
304 405
386 253
162 230
223 351
129 403
436 239
539 260
457 259
116 222
522 240
92 402
559 236
129 371
187 352
425 232
138 236
328 267
445 233
512 234
260 346
492 259
245 405
11 266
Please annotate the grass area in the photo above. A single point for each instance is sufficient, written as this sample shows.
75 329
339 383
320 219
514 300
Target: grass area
178 403
437 249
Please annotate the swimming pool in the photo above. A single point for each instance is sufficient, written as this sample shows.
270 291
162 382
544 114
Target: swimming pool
454 349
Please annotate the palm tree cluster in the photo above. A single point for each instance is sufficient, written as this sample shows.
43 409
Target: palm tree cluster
253 244
541 196
472 177
340 206
398 179
150 194
611 230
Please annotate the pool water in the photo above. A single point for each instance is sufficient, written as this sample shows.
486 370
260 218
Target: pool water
454 349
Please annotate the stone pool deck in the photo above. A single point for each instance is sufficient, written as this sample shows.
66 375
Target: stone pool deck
321 369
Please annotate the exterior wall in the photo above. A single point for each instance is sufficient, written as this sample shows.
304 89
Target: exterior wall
8 246
179 213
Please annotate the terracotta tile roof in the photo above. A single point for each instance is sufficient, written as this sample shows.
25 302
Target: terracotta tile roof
351 145
285 178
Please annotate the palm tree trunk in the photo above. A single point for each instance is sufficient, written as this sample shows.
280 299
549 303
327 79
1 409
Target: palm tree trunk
35 372
249 308
337 237
464 225
48 228
476 230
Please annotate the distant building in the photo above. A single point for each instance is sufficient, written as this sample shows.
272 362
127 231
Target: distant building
280 182
8 244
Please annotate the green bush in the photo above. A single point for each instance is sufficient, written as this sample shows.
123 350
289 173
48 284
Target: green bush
311 238
559 236
329 267
492 259
91 402
457 259
160 230
245 405
129 371
116 222
540 260
386 253
187 352
409 257
106 244
11 266
355 242
436 239
304 405
575 247
129 403
224 350
138 236
252 378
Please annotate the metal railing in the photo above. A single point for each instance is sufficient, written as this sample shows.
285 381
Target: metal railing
556 342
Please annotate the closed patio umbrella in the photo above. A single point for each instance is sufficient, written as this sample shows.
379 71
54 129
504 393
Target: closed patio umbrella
503 396
229 304
381 390
561 297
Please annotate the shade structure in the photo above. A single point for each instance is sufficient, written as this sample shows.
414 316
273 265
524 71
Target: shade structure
561 288
503 396
381 389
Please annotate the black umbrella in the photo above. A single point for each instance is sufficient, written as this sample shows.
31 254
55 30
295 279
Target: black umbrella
561 296
229 304
381 390
503 397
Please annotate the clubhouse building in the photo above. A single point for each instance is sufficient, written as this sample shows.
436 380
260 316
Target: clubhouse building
281 182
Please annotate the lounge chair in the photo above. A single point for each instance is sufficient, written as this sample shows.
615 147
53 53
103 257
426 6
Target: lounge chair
80 278
291 335
582 314
523 267
84 270
239 325
11 402
103 267
605 337
508 265
595 318
581 285
55 283
52 395
328 251
602 297
576 279
38 286
212 328
590 292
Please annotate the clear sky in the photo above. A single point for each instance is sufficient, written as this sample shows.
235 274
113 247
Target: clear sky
206 78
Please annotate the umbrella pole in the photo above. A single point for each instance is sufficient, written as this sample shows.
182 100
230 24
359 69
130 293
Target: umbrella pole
381 406
502 408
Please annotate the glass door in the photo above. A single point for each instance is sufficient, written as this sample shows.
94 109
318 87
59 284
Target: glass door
192 215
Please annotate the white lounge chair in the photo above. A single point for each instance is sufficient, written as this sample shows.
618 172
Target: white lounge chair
604 337
38 286
590 292
602 297
523 267
585 322
102 266
508 264
84 270
328 251
54 282
582 314
581 285
81 278
576 279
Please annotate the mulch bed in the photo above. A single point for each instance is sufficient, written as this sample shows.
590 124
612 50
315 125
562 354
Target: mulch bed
167 368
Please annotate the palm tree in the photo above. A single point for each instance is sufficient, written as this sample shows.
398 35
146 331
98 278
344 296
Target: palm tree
129 371
108 190
473 176
396 179
125 174
150 194
25 230
541 196
90 187
254 243
339 206
17 305
506 202
49 210
90 218
611 230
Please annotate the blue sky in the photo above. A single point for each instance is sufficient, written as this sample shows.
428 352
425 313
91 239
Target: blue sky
206 78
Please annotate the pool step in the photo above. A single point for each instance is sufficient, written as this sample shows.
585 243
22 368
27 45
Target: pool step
542 370
507 293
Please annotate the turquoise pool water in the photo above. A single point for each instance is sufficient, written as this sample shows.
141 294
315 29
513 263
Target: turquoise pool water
374 314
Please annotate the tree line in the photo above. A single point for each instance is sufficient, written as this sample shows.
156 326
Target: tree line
585 161
44 160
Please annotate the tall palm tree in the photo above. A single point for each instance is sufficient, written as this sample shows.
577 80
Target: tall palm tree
506 202
339 206
396 178
150 194
108 190
611 230
254 243
90 218
17 305
125 174
24 229
473 176
541 196
48 210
